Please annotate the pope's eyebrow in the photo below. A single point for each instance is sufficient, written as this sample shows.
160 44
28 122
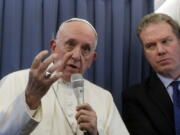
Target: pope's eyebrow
71 41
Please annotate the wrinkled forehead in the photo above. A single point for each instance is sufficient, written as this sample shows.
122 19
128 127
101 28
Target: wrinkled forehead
78 27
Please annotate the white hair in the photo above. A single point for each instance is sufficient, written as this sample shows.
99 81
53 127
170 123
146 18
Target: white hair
81 20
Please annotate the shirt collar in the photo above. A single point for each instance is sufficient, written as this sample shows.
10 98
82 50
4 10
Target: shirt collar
166 80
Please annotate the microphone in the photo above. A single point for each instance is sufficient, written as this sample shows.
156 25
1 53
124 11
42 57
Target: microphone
77 83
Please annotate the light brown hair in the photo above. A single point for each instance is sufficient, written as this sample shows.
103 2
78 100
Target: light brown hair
156 18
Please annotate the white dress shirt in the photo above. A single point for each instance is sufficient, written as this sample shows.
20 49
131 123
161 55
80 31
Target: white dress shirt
167 84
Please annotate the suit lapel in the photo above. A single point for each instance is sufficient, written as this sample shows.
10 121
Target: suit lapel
161 99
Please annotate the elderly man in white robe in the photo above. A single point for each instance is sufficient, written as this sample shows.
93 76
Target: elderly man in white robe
40 100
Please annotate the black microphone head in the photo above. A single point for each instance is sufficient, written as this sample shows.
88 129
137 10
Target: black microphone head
77 80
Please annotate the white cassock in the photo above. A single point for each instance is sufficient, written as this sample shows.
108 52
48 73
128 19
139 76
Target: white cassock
56 115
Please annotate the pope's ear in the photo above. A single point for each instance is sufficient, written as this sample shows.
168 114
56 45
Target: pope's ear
93 58
179 40
52 45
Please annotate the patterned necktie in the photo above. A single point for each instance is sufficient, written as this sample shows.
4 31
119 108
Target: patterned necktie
176 104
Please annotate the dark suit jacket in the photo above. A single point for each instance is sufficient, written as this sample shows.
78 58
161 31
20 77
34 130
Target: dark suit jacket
148 109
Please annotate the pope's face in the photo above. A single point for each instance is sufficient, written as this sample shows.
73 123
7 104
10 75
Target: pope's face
77 42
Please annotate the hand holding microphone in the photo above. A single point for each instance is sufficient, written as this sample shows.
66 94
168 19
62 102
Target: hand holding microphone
86 116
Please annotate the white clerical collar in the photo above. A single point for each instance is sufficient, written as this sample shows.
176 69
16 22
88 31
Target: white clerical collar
64 82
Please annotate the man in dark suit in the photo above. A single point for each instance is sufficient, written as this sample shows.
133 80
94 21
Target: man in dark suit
149 107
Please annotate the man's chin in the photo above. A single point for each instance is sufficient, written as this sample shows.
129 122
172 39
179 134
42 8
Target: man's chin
166 69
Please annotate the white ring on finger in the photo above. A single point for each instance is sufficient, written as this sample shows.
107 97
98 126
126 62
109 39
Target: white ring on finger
47 74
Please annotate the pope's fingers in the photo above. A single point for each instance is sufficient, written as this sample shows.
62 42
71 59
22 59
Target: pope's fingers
55 77
87 120
81 112
84 106
44 64
58 65
83 119
64 61
37 60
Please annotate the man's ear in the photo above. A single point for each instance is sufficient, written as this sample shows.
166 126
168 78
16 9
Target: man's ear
52 45
179 40
93 58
